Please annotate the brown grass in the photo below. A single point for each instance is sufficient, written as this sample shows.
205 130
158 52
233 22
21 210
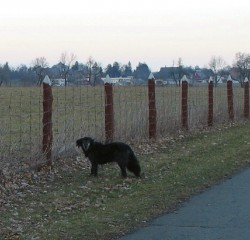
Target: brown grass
67 203
79 111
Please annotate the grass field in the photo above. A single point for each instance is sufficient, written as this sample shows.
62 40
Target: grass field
66 203
79 111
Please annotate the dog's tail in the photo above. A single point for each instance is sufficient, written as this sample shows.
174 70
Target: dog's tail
133 164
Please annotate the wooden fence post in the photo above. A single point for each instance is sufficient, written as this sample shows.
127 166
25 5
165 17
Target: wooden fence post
230 98
109 113
47 119
210 102
151 107
246 98
184 102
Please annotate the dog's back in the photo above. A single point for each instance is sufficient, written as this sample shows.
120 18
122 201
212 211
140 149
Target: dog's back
122 154
111 152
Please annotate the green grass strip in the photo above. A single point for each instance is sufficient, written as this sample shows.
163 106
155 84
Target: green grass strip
77 206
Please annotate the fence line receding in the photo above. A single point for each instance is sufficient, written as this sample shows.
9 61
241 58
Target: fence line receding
108 113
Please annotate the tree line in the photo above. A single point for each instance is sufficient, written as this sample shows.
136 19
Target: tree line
91 71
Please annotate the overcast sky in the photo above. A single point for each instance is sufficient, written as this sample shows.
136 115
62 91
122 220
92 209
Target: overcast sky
152 31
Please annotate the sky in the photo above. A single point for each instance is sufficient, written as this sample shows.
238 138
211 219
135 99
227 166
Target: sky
157 32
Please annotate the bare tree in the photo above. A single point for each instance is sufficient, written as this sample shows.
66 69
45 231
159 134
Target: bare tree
217 64
40 66
96 72
178 72
242 64
66 61
90 63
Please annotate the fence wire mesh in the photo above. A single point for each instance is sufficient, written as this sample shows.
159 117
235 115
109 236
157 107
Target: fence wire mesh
80 111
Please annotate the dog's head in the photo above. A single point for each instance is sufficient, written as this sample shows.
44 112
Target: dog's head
85 143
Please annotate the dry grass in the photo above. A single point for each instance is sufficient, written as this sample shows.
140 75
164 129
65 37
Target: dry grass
67 203
79 111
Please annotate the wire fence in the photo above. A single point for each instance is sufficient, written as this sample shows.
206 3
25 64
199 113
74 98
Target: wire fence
81 111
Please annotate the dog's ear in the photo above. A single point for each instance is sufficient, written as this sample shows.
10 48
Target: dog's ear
79 142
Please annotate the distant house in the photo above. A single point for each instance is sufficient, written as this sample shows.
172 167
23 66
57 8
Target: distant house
234 73
160 82
58 82
56 70
121 81
165 73
202 75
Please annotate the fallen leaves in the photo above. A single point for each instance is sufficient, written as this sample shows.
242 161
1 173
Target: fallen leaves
31 200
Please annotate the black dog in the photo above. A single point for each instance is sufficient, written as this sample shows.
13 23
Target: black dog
99 153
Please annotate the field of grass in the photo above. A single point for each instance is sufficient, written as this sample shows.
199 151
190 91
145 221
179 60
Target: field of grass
79 111
67 203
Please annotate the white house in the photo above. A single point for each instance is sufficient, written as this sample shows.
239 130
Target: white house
59 82
118 81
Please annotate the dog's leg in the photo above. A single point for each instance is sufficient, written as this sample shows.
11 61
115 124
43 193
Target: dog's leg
133 165
123 169
124 172
94 169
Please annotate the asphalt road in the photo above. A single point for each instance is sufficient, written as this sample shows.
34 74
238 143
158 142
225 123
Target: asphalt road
222 212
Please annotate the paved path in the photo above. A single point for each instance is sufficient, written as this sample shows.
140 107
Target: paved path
223 212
